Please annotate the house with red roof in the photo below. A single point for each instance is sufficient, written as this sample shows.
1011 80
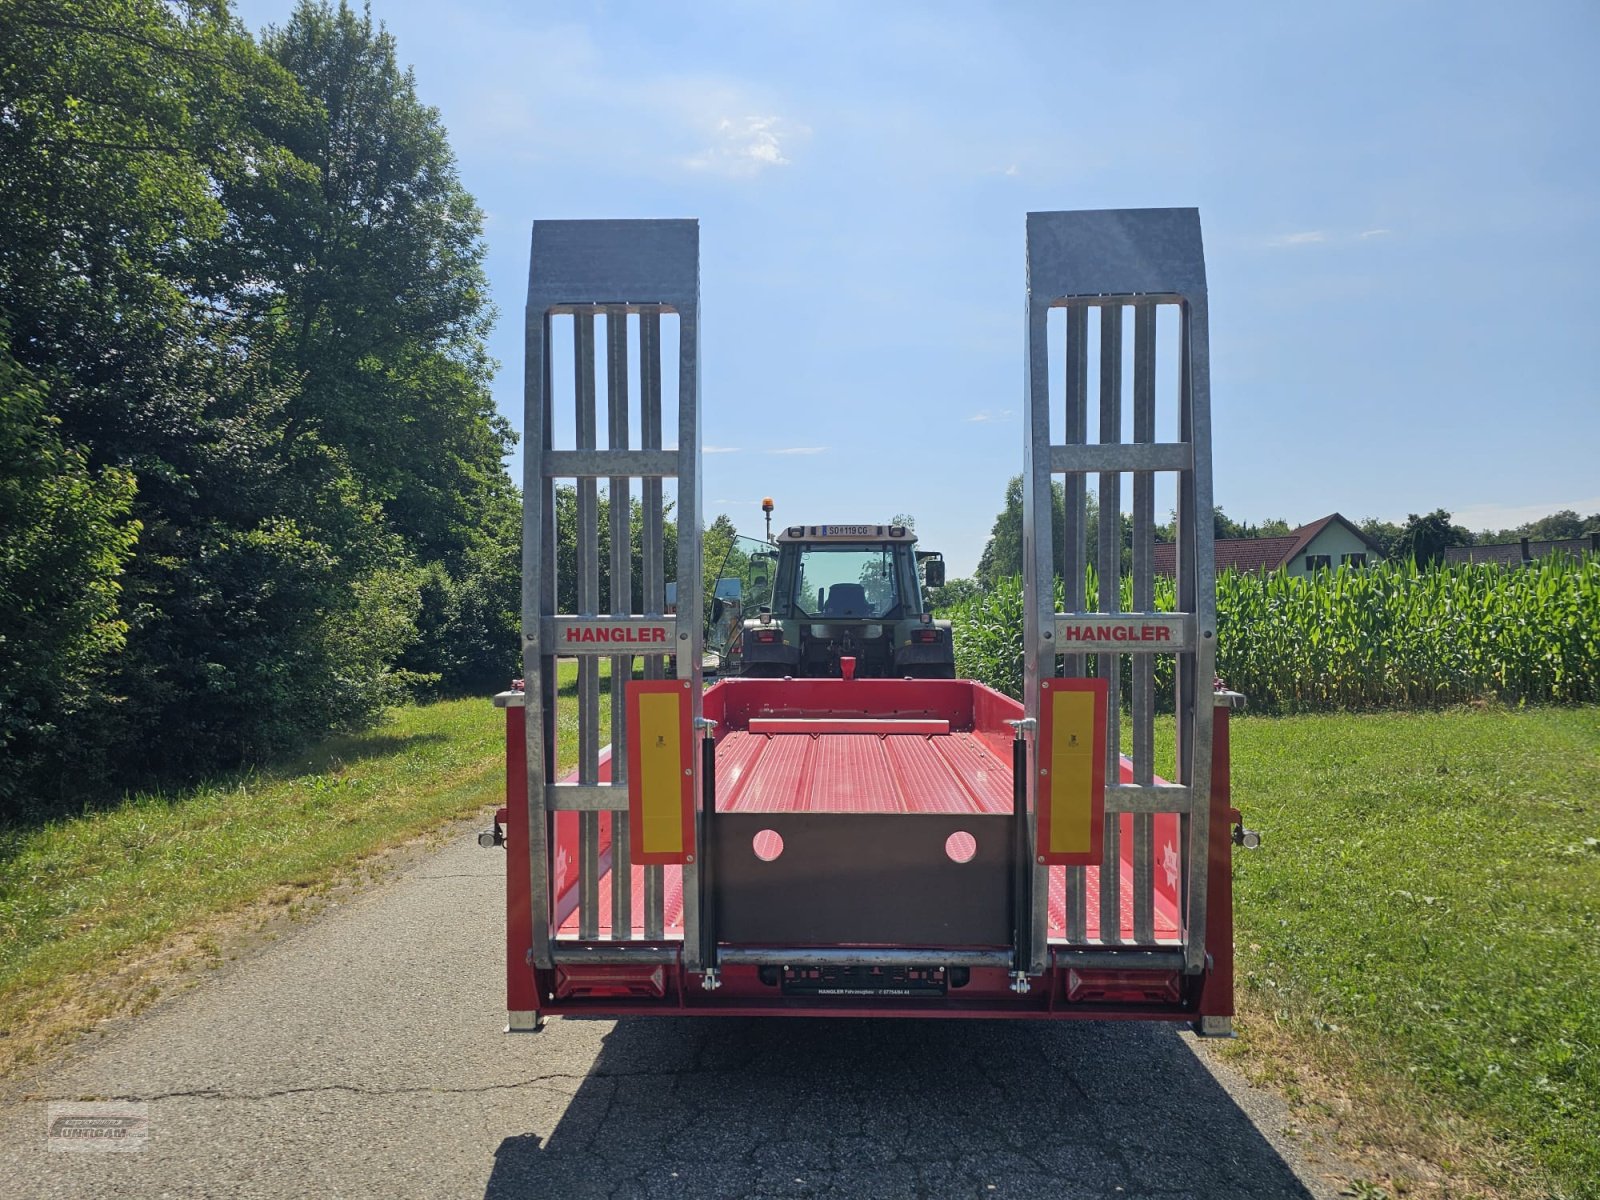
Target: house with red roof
1320 546
1522 553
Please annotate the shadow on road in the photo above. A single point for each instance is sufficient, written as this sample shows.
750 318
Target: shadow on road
814 1107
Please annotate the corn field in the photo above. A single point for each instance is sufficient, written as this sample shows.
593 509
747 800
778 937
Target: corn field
1386 636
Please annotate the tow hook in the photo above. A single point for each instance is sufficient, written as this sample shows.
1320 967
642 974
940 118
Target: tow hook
1248 838
490 838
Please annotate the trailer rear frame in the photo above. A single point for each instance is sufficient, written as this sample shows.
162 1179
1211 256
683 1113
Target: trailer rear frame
1090 887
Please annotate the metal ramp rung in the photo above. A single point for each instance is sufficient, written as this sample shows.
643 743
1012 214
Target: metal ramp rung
1149 798
1121 456
593 464
587 797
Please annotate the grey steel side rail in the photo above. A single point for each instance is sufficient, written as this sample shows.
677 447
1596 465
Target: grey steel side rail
1114 259
612 270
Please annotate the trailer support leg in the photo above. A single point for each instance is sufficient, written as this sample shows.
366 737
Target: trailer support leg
711 977
527 908
1216 993
1021 862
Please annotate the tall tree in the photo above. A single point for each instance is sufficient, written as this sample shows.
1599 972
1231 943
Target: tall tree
1002 554
721 557
1425 538
65 537
382 312
1224 526
265 601
1561 525
385 302
953 594
121 121
1558 526
1385 533
566 504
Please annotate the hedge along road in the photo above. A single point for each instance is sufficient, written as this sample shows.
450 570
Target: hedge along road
362 1055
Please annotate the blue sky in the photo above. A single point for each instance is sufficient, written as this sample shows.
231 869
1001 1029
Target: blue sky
1400 206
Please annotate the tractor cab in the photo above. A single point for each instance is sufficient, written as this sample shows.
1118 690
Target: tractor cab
849 591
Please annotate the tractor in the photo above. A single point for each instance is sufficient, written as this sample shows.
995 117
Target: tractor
849 592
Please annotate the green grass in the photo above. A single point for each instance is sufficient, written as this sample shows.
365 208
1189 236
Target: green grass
84 899
1426 909
567 709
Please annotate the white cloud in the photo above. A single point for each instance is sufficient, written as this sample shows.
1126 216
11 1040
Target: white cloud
1317 237
719 449
576 103
743 146
1309 238
987 416
1012 171
799 450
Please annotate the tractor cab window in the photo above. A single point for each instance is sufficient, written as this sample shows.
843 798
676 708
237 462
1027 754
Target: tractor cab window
846 582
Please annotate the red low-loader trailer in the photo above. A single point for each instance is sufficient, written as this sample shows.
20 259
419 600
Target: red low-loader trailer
883 846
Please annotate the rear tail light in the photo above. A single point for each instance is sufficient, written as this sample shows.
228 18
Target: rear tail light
924 635
1127 987
769 636
599 980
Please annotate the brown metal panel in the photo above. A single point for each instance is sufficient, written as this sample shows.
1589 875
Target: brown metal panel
862 879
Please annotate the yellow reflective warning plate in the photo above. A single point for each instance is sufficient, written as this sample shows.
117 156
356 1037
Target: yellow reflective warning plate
660 772
1070 780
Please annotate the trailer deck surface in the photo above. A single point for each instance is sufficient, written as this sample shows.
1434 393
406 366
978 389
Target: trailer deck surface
860 772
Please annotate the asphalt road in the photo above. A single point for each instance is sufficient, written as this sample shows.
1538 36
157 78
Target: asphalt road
362 1056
